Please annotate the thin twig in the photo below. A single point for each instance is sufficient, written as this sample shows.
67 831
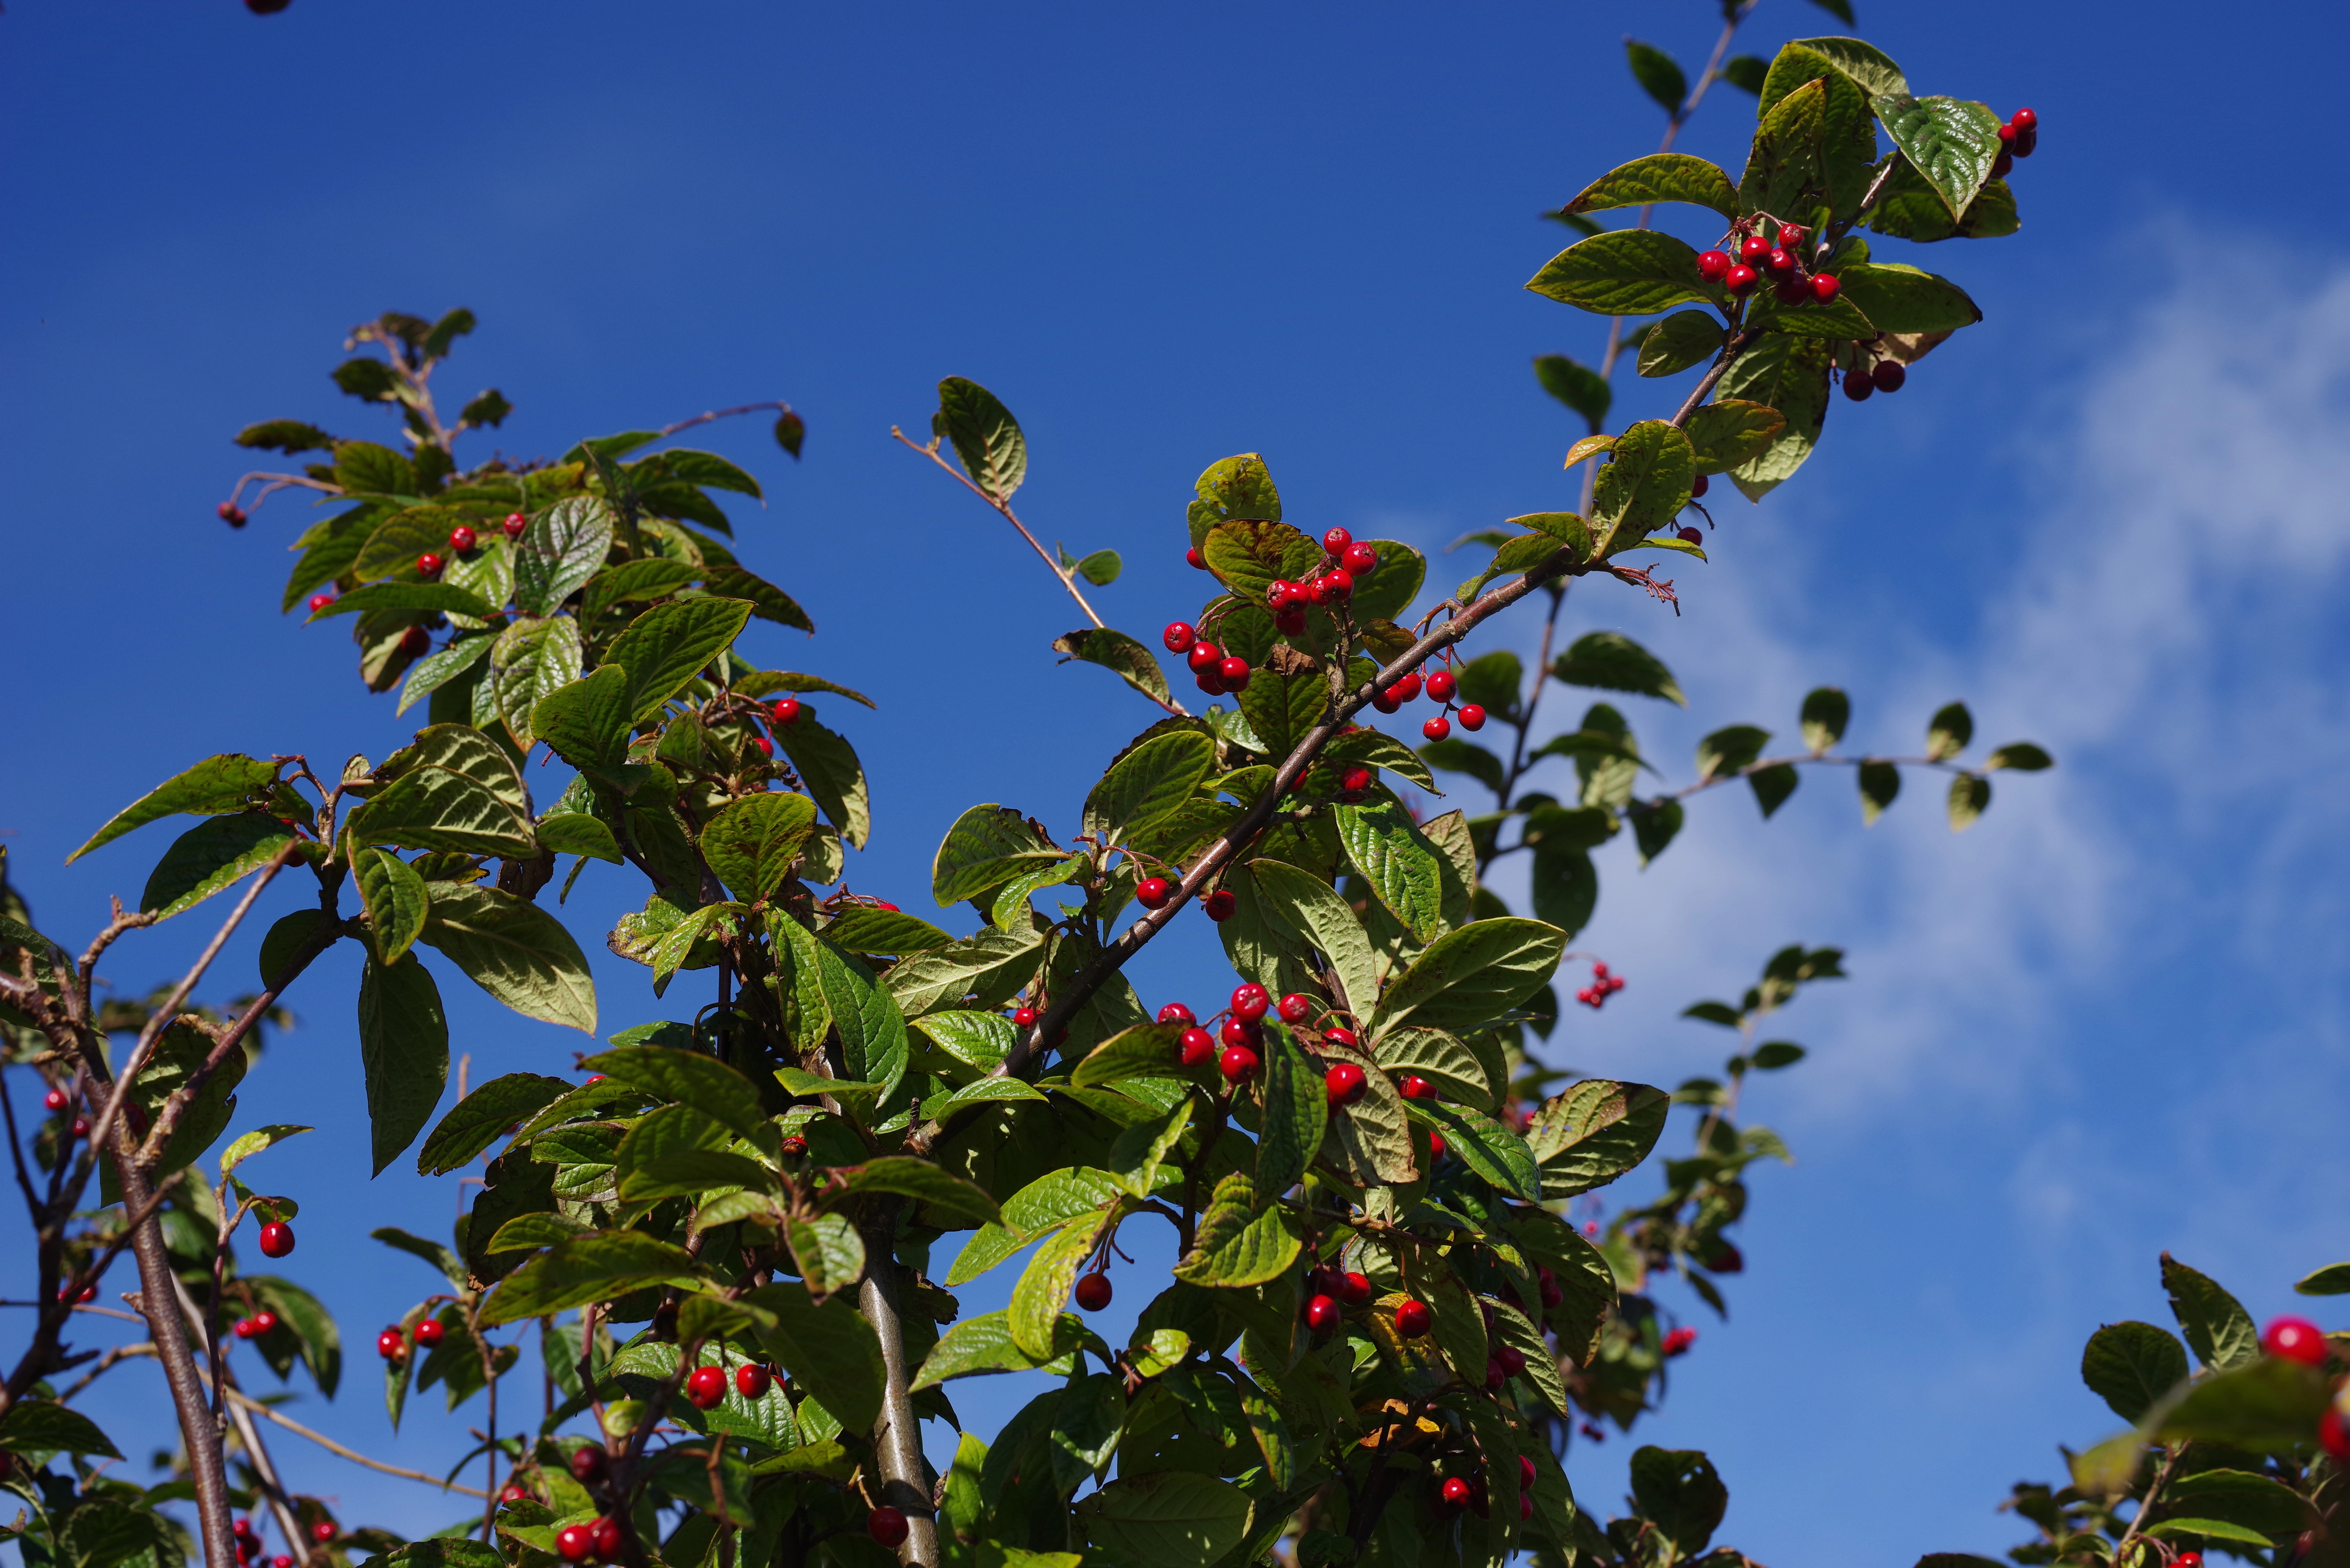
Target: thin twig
1068 578
667 430
240 1397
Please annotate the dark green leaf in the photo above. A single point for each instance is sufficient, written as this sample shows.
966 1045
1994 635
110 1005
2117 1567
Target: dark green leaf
1100 569
985 436
404 1047
361 466
41 1424
434 808
1746 72
828 764
1950 141
1904 299
753 843
984 1344
1642 486
1684 339
1790 375
514 951
1910 209
1659 177
1403 867
408 596
1729 748
1653 829
2022 756
1150 782
862 928
1773 785
1120 654
987 846
588 722
2264 1404
531 661
2258 1504
577 833
2218 1328
1661 77
482 1118
767 601
1678 1491
213 787
1465 757
1826 712
1784 163
210 857
596 1267
1594 1132
1496 1154
2332 1280
669 644
1579 387
1969 797
563 548
289 436
2130 1365
1296 1111
1625 272
687 1077
1614 662
1164 1518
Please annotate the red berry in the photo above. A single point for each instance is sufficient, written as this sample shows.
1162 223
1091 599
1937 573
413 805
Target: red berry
508 1493
1343 1085
1234 672
231 514
1339 584
1454 1492
1691 537
1442 685
706 1387
80 1128
2195 1559
1793 291
2026 143
1824 288
1354 1289
1289 622
1406 689
1858 386
1889 375
55 1099
1740 279
2332 1434
588 1464
1211 683
1385 700
1176 1012
1791 239
391 1344
515 523
1514 1361
1294 1009
429 1332
1339 1036
1179 637
1198 1047
787 711
1240 1031
1337 540
1472 717
794 1146
1354 781
1358 559
1220 903
1092 1291
1699 486
276 1239
751 1380
1250 1002
242 1327
1525 1465
887 1526
2295 1339
1023 1018
429 564
1754 248
1277 592
605 1536
1728 1260
324 1532
1435 1145
2024 119
320 601
1322 1314
1778 264
1238 1064
1525 1501
1438 728
2003 166
1415 1087
1197 560
767 747
575 1541
461 539
1713 264
1204 656
1546 1284
262 1321
1412 1318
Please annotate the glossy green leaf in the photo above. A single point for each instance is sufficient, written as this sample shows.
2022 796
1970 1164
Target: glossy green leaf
1910 209
1296 1113
987 846
396 542
530 661
687 1077
985 436
1904 299
595 1267
2130 1365
210 856
872 1029
259 1139
1148 782
563 548
984 1344
753 843
1468 977
396 900
1625 272
1144 1051
1784 162
1594 1132
1948 140
1611 661
671 644
1043 1285
1731 432
1870 68
2260 1506
514 951
42 1424
864 929
435 671
433 807
213 787
1496 1154
1246 556
2332 1280
404 1048
1310 911
1238 1241
482 1117
828 765
1396 857
1643 486
1659 177
1841 319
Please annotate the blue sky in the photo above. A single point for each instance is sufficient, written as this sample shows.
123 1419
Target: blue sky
2107 1020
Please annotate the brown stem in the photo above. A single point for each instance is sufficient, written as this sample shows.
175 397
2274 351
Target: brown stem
158 1303
898 1437
666 430
1713 374
240 1400
1068 578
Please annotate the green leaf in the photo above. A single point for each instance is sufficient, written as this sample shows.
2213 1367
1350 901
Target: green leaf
872 1030
1119 653
563 548
1233 489
1439 1057
1661 79
1308 908
1594 1132
1611 661
1790 375
2265 1406
1840 319
1784 162
669 644
1043 1285
1100 568
482 1118
396 900
1904 299
985 436
1296 1111
984 1344
991 965
588 722
987 846
1773 785
1910 209
1467 978
1388 591
1163 1519
2022 756
1950 141
1684 339
435 671
254 1142
1643 485
1466 757
767 601
1566 888
1729 748
1248 556
1148 782
1731 432
2204 1528
451 1266
442 597
1144 1051
1826 712
1577 386
689 1078
1869 68
213 787
2218 1328
1655 828
1625 272
1497 1155
514 951
1396 858
1949 731
2130 1365
1659 177
530 661
944 1197
753 843
595 1267
1377 749
210 856
1970 798
2260 1505
828 764
2332 1280
577 833
863 929
1049 1201
404 1047
829 1350
434 808
1239 1240
41 1424
1679 1493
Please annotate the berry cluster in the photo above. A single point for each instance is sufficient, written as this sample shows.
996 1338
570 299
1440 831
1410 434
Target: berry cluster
601 1539
392 1346
705 1387
1455 1493
1678 1342
2017 138
1781 257
248 1543
1603 986
1441 686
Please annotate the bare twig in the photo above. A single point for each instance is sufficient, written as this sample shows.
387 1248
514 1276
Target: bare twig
240 1398
1068 578
667 430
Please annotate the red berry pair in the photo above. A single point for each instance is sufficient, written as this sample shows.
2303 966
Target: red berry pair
580 1542
1678 1342
256 1325
2017 138
1353 1289
391 1344
231 514
1218 671
1884 375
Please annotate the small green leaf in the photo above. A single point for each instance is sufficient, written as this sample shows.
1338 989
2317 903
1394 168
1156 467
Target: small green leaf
1238 1241
482 1117
2218 1328
947 1198
1879 783
1826 712
1729 748
254 1142
596 1267
1296 1111
1949 731
404 1047
1731 432
1773 785
395 899
1970 798
588 722
1579 387
1684 339
985 436
1661 79
441 597
2022 756
1659 177
2332 1280
1904 300
1100 569
1611 661
1643 486
984 1344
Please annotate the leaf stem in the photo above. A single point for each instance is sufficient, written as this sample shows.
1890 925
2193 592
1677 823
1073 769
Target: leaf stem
1068 578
